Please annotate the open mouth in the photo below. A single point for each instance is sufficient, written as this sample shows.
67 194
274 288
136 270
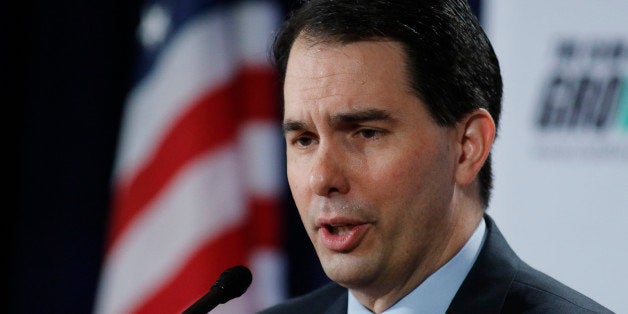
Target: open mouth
340 229
342 237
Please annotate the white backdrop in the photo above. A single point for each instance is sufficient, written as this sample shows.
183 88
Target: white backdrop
561 158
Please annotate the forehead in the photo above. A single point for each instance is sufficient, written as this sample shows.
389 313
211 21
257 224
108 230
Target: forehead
346 74
311 58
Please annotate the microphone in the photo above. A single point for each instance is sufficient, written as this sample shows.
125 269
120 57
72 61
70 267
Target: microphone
232 283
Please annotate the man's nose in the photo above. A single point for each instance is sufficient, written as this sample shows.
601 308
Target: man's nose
328 173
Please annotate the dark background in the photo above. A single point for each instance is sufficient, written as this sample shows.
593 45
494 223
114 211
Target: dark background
69 65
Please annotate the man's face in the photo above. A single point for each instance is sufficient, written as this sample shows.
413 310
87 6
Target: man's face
371 173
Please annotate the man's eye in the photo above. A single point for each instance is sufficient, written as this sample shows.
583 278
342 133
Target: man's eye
303 141
369 133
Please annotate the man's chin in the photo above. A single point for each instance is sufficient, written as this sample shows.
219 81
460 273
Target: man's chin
348 271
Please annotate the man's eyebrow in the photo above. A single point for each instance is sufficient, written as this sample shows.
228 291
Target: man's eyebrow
342 118
291 125
360 116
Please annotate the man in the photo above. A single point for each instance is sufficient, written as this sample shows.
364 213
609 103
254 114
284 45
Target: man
390 112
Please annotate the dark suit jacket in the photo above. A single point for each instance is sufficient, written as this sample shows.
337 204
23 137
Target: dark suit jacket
498 282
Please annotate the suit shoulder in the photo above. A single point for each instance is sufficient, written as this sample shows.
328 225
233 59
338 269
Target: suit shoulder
316 301
535 292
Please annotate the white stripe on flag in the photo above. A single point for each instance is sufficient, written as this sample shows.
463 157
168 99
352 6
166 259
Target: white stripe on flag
260 142
270 284
201 202
256 22
197 59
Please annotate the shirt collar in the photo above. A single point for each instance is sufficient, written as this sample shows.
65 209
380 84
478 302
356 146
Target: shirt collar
435 293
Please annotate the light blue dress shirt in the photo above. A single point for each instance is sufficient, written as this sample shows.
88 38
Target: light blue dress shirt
435 293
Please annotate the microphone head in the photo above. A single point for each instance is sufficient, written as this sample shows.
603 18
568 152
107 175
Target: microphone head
233 282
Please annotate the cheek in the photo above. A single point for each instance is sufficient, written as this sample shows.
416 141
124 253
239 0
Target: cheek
296 182
411 177
397 171
299 195
299 187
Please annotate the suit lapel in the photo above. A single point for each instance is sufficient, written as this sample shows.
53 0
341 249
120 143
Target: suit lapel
486 286
340 304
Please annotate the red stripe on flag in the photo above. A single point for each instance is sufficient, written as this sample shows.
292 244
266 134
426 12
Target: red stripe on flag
205 266
196 276
211 121
261 98
265 223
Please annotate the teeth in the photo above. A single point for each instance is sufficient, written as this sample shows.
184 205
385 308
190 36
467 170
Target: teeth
339 230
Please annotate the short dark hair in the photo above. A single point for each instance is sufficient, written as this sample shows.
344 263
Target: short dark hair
451 63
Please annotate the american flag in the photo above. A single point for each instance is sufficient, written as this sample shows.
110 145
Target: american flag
199 174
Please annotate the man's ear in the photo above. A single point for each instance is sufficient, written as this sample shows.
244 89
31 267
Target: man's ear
476 133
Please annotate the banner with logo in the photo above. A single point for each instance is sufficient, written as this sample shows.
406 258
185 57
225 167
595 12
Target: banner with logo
561 156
